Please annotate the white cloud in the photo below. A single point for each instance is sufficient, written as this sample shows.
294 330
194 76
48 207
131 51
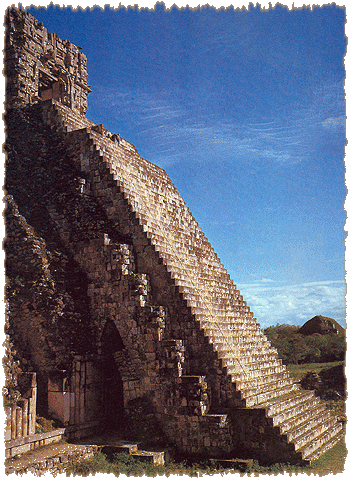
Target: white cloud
178 132
274 302
334 122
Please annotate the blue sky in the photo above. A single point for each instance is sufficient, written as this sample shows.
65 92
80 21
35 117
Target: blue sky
245 110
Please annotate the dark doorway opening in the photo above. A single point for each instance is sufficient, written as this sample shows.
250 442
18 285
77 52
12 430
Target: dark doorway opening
112 390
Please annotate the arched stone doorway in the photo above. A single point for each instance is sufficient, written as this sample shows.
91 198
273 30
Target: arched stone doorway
112 391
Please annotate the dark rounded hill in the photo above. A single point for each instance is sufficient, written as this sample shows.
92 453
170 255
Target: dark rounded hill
322 325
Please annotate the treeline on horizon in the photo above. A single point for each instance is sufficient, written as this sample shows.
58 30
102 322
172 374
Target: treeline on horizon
296 348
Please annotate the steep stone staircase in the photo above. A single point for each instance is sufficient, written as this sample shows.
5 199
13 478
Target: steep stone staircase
258 376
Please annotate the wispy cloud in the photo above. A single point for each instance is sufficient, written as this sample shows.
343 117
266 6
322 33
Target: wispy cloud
276 302
334 122
178 132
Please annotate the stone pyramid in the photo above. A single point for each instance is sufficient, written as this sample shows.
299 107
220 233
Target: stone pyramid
190 354
254 406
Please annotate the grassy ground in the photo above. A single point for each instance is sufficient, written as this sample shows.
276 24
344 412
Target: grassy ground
298 371
330 463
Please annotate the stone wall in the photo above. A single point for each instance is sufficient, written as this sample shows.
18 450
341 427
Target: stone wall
41 65
76 398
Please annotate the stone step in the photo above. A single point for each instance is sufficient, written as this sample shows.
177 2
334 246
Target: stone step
262 391
113 448
235 320
184 275
210 310
240 366
217 334
190 282
316 419
188 286
243 324
327 445
262 348
273 384
284 403
230 313
264 396
211 275
309 435
118 447
288 417
237 339
220 420
188 379
260 359
235 325
223 301
316 438
155 458
250 380
240 372
253 383
186 280
213 272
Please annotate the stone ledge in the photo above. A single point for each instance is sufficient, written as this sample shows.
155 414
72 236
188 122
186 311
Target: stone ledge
53 459
34 438
25 444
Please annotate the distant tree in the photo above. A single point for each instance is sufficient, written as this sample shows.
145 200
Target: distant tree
333 347
294 347
288 342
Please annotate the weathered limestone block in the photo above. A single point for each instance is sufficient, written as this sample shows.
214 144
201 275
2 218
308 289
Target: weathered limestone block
59 396
42 65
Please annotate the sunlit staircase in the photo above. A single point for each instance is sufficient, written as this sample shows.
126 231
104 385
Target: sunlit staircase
262 384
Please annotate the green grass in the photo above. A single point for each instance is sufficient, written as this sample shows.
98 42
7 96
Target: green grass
126 464
332 462
338 406
298 371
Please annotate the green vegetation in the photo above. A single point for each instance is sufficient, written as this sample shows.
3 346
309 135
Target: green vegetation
299 371
44 425
331 380
330 463
126 464
295 348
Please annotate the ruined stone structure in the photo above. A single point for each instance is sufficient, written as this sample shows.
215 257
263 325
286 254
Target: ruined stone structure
164 341
53 68
20 419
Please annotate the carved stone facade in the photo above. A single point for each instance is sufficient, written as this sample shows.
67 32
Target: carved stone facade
39 65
